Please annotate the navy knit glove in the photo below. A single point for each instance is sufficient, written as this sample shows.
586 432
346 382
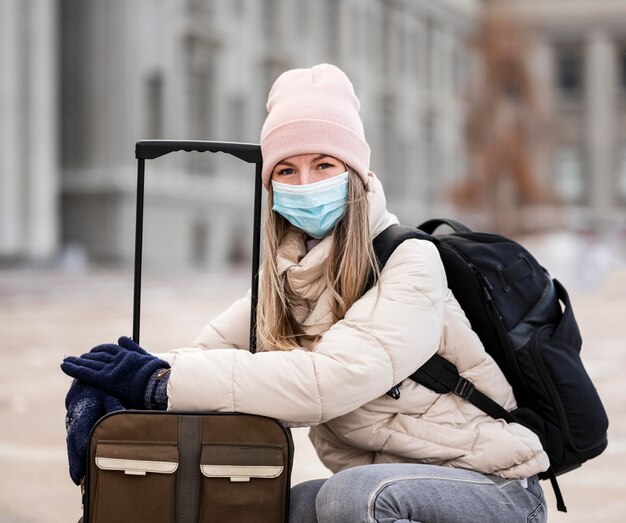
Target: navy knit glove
122 370
85 406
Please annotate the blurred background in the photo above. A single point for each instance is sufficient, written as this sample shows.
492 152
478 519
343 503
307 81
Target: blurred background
508 115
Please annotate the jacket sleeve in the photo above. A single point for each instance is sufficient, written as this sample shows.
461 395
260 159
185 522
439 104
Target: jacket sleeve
357 360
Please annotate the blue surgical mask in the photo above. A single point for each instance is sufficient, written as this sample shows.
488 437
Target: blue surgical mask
315 207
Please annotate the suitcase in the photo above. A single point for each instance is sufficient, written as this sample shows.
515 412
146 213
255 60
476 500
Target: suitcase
156 466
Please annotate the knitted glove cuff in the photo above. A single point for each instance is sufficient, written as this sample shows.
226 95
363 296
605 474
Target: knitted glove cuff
155 395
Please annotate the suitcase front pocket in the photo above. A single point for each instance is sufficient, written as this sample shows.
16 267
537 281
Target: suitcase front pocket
240 480
135 481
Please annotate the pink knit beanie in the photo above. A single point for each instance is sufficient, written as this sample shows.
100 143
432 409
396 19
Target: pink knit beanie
314 111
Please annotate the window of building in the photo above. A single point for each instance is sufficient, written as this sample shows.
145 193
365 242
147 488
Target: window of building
421 55
333 27
236 119
355 38
385 41
432 158
198 89
398 49
237 8
199 244
569 181
395 36
460 59
408 43
200 8
303 18
271 18
436 59
622 69
391 151
154 106
570 71
199 98
238 254
620 181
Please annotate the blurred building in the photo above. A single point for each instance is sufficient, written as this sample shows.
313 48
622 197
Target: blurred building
82 80
29 177
580 61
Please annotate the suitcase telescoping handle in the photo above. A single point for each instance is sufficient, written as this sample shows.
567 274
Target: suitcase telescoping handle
151 149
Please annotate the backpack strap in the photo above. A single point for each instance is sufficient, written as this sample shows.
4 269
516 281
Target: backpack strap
385 244
388 241
431 225
442 376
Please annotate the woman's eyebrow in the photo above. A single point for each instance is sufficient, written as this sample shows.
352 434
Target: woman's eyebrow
321 156
316 159
285 162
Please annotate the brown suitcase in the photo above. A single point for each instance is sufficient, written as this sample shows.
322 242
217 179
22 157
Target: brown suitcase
151 466
192 467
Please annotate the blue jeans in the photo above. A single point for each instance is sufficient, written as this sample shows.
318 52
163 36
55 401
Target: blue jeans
415 493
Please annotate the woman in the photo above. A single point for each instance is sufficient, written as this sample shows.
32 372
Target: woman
331 347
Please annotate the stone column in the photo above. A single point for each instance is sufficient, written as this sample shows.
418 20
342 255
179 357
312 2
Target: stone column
600 106
10 220
104 51
40 147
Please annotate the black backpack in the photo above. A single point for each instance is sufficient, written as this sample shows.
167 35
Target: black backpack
513 305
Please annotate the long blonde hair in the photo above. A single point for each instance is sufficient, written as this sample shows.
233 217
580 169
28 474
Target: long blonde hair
351 265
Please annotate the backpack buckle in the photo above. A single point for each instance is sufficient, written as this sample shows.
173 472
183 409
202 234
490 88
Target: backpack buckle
394 392
463 388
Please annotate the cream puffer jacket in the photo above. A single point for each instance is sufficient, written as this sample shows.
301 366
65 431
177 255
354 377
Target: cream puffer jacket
339 386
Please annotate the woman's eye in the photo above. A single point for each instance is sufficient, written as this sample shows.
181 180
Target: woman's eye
325 165
286 171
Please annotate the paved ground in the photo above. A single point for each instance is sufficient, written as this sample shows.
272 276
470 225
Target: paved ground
46 315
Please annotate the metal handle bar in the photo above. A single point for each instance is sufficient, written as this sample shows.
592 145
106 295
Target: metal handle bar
150 149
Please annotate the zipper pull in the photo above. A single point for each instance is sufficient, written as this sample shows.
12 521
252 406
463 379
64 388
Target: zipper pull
486 286
486 281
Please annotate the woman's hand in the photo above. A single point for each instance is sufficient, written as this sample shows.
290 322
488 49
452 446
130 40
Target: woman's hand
122 370
85 406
